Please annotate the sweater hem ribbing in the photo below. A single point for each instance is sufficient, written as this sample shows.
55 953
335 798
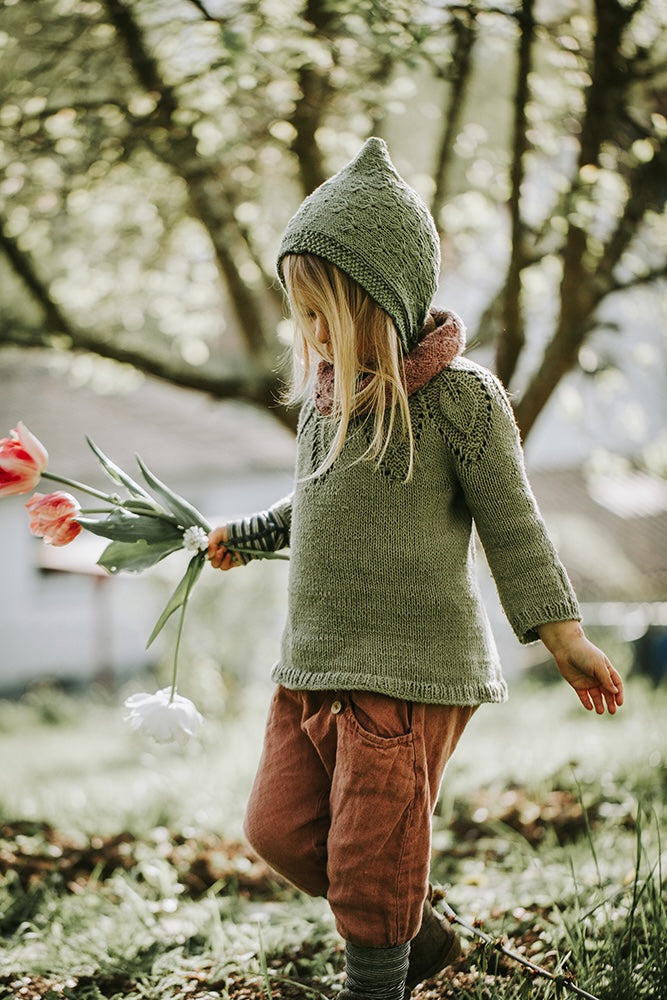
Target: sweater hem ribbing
491 692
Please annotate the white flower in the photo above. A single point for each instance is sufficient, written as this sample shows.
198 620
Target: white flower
195 539
165 719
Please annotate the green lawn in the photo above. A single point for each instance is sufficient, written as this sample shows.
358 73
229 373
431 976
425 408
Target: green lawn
125 873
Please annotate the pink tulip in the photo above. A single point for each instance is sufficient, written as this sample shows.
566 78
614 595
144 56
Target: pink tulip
52 517
23 459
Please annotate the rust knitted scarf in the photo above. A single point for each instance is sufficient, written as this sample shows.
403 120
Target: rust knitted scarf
442 340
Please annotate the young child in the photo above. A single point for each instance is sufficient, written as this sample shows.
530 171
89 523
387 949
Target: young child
403 445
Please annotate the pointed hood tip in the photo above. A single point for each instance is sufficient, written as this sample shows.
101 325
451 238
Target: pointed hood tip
376 147
375 142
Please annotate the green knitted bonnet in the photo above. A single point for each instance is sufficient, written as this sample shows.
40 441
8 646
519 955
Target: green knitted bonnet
373 226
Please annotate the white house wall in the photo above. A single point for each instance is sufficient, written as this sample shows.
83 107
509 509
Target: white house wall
75 626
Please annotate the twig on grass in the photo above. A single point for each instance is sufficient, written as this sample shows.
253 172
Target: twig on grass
560 981
295 984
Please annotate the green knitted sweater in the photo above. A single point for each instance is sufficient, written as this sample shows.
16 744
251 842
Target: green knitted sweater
383 593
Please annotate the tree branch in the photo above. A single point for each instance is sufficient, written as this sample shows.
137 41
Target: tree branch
465 32
177 146
23 267
513 335
645 278
260 389
205 14
647 191
255 386
561 982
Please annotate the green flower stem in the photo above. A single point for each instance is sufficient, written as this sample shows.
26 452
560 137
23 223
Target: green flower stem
255 553
181 620
82 487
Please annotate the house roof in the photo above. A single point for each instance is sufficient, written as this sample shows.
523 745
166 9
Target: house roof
611 531
180 434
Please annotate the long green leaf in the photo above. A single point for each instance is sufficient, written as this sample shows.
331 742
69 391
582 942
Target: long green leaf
118 475
121 526
181 593
136 556
184 511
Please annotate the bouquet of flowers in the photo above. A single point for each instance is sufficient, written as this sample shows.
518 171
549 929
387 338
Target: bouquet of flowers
142 526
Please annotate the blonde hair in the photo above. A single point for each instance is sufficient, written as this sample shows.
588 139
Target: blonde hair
364 348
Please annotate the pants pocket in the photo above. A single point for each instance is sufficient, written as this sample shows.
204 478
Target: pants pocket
381 715
372 804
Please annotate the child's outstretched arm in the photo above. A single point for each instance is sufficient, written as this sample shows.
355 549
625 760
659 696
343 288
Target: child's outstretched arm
583 665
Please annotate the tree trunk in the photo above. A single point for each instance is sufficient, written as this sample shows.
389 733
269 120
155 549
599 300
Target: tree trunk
311 106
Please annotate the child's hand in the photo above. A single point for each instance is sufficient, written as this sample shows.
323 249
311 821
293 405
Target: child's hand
583 665
219 556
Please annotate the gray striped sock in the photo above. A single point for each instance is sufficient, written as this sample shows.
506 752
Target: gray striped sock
377 973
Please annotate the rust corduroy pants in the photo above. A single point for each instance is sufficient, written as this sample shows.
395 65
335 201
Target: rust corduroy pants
343 799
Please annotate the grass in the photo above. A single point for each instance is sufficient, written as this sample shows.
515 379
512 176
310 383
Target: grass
125 874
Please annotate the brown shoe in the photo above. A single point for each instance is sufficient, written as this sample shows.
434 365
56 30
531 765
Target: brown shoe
435 946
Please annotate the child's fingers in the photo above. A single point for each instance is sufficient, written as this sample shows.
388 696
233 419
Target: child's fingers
617 680
223 559
219 556
585 699
611 701
597 699
216 553
216 538
611 688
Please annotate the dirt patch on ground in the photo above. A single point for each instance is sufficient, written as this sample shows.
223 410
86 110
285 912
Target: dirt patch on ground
35 851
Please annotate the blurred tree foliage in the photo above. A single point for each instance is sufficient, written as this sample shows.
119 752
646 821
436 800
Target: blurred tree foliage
151 152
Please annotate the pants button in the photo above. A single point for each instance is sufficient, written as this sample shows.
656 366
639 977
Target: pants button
336 707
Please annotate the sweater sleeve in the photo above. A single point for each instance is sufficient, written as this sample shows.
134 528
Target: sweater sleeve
531 580
266 531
